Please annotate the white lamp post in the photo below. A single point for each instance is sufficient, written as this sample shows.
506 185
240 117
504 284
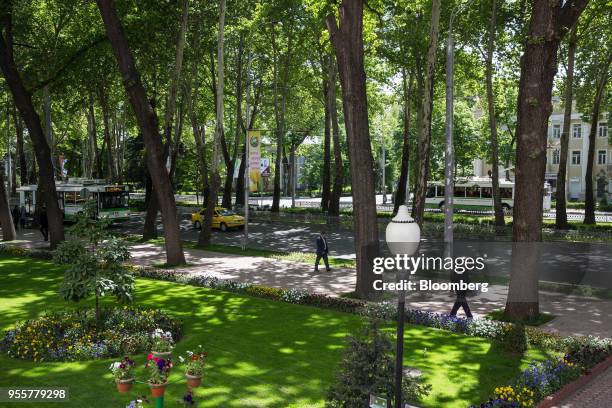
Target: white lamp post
403 236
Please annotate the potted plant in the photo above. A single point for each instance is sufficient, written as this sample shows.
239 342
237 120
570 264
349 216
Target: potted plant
161 344
159 370
194 367
123 371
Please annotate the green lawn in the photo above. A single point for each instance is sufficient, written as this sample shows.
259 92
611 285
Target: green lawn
261 353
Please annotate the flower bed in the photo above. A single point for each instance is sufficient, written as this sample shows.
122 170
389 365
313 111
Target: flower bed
75 335
14 250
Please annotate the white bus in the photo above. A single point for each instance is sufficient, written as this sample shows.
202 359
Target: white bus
476 193
112 200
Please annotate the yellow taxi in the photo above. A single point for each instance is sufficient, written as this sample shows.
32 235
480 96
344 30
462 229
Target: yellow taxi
223 219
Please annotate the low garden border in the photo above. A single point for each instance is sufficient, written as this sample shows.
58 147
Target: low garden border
571 388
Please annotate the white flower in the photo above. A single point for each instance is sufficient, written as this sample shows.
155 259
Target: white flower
181 359
190 353
115 366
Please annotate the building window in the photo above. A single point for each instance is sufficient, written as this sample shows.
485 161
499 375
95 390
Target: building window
577 130
556 131
576 157
601 156
603 130
556 155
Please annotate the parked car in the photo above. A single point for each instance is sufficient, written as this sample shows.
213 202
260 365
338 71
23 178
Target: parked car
223 219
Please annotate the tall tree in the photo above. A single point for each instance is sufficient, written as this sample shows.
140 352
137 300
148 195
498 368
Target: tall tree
347 40
148 124
20 147
425 115
215 180
403 183
561 197
326 183
600 86
497 203
334 199
281 79
23 102
108 142
6 220
549 23
238 131
150 227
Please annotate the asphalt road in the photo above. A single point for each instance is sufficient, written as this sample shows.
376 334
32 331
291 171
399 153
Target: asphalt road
567 262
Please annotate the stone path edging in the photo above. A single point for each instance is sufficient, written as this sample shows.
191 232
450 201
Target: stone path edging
571 388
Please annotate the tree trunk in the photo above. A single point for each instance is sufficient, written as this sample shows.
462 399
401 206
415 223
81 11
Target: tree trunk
21 157
148 123
91 126
549 22
110 162
497 202
229 177
561 204
326 185
426 110
347 40
334 201
6 219
215 180
169 154
402 185
23 101
589 196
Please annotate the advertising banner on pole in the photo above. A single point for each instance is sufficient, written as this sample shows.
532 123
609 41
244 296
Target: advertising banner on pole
254 137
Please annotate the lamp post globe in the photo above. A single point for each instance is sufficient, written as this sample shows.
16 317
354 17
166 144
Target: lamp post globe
403 233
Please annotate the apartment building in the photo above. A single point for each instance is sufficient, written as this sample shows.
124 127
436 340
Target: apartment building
578 155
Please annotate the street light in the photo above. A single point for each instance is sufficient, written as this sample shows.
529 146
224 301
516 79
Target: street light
403 236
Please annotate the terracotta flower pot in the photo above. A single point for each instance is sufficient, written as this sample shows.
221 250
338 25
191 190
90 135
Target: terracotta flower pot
193 381
162 354
158 390
124 386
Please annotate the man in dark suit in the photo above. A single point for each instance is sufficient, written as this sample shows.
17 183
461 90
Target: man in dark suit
461 295
322 251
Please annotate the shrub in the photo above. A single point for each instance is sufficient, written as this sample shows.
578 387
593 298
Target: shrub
95 261
264 292
368 367
513 338
587 351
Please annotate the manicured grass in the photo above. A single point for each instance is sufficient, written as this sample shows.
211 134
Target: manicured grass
262 353
541 319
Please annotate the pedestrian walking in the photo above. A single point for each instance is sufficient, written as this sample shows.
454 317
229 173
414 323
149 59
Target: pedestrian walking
461 299
322 251
43 221
16 214
23 215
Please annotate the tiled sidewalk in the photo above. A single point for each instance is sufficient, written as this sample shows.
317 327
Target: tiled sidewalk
596 394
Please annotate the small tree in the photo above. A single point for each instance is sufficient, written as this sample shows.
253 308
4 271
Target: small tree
368 367
95 259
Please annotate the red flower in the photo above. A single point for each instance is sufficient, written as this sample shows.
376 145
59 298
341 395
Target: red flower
150 356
